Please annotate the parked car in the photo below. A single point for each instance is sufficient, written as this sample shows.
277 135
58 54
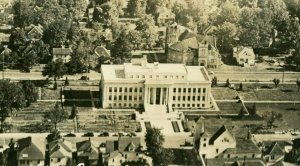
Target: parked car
88 134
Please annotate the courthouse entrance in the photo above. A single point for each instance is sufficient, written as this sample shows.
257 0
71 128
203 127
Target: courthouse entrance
156 96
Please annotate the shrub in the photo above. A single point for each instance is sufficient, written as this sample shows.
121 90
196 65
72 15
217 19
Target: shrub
88 134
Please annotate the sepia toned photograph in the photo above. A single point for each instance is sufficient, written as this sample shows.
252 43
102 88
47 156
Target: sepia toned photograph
149 82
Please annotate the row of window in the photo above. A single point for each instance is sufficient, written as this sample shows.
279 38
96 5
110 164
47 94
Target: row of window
189 90
124 98
125 89
123 105
189 98
158 76
189 105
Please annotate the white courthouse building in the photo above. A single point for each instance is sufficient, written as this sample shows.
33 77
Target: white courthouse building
137 84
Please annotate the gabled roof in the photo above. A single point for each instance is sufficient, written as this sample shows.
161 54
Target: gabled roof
87 149
28 150
274 149
243 146
61 51
110 146
243 50
60 149
102 51
217 134
125 142
185 45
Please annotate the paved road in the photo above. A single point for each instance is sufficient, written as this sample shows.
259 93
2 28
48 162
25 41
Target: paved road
261 76
33 75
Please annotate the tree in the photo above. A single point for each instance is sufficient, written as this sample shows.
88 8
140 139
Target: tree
55 69
108 14
11 97
227 84
56 33
56 115
252 111
154 142
271 117
226 33
214 82
154 5
230 12
136 8
53 136
298 84
241 87
30 92
122 47
148 30
74 112
23 13
276 81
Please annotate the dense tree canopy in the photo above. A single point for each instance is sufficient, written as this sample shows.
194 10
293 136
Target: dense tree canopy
11 97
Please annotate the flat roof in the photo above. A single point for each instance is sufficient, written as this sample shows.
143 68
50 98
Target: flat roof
190 73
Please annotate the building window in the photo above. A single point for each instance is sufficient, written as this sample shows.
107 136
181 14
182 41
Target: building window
253 155
174 89
228 156
189 90
204 90
140 98
130 97
272 157
199 90
183 98
183 105
150 76
174 98
141 89
115 97
203 105
178 105
198 98
58 159
217 150
179 90
177 77
110 89
109 97
120 89
184 90
115 89
135 90
204 145
193 105
188 105
204 139
130 89
120 97
194 90
203 98
143 76
125 89
189 98
194 98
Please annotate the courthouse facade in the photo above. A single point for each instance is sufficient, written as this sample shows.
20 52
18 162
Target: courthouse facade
137 84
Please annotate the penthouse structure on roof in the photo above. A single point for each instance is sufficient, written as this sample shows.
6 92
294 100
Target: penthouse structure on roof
137 84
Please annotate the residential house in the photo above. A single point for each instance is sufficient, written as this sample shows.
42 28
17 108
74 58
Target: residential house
214 142
192 49
125 150
245 163
87 153
104 36
30 152
165 17
60 152
274 151
173 32
34 32
62 53
244 56
101 51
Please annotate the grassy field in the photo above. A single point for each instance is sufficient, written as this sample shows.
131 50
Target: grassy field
50 94
290 114
222 93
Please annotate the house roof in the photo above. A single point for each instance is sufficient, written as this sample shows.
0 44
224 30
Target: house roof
29 150
274 148
102 51
217 134
296 143
185 45
125 142
60 149
61 51
243 146
110 146
86 148
234 162
238 51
